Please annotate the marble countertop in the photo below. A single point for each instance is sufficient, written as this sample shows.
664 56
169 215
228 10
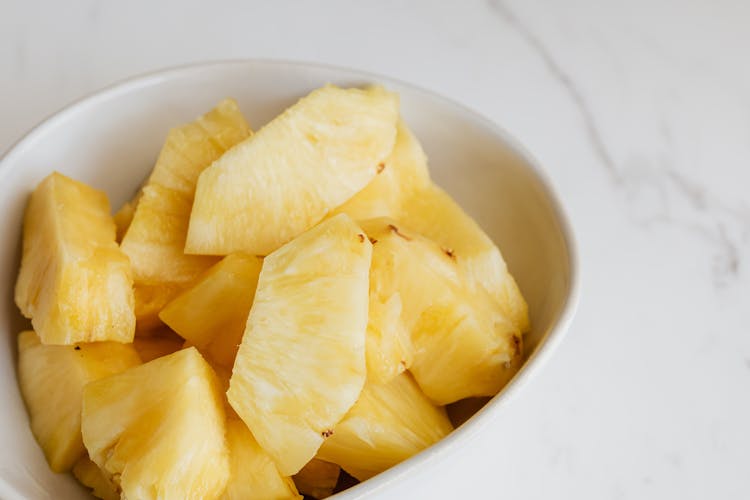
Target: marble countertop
639 112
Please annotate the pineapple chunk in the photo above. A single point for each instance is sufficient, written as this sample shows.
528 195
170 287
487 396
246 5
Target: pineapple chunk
149 301
288 176
301 365
160 343
404 173
52 380
253 473
157 430
434 214
212 313
318 478
75 283
390 423
458 342
156 237
90 475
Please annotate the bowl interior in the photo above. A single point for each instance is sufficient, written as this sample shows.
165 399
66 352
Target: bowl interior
111 140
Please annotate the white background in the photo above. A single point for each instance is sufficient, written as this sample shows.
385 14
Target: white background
640 113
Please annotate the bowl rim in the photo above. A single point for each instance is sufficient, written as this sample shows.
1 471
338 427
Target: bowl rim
549 342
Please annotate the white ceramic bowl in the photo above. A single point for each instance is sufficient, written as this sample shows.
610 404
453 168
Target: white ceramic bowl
111 139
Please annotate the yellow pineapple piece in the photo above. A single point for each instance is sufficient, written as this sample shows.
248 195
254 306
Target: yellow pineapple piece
253 473
458 343
318 478
404 173
160 343
90 475
301 365
155 239
212 313
390 423
52 378
157 430
292 172
434 214
75 283
149 301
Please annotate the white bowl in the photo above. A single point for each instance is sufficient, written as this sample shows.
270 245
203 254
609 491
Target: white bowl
111 139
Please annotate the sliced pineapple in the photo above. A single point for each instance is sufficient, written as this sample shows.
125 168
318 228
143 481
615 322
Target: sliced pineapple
90 475
301 365
155 239
458 344
318 478
434 214
160 343
404 173
52 380
288 176
390 423
157 430
254 475
75 283
212 313
407 275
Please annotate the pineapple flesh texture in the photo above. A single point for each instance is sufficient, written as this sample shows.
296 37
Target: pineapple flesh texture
318 478
75 284
457 341
434 214
254 475
301 365
157 430
52 379
212 313
288 176
90 475
390 423
155 239
403 173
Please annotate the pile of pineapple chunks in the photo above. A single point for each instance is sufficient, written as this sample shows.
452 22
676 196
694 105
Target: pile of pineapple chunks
270 308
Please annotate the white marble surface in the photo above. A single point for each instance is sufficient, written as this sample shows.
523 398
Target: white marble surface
640 113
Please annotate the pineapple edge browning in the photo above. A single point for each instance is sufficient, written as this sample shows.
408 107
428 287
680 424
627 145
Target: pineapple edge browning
74 282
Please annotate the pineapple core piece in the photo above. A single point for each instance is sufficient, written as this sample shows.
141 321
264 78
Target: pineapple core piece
434 214
52 380
90 475
155 238
212 313
75 283
457 344
289 175
301 365
390 423
157 430
254 475
318 478
404 173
